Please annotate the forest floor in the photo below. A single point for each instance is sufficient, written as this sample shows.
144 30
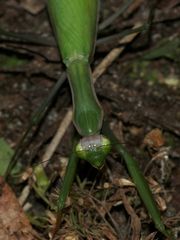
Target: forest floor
140 95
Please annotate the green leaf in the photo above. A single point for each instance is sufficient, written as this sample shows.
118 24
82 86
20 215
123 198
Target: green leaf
42 180
168 48
6 153
12 60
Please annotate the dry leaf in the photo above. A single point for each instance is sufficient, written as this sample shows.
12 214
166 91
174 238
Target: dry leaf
13 222
154 139
33 6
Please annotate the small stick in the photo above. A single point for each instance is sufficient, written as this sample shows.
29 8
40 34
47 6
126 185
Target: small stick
57 137
113 17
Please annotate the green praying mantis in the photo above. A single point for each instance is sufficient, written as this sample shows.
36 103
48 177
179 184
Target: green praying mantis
75 26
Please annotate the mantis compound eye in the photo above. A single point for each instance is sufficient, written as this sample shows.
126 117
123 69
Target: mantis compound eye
94 149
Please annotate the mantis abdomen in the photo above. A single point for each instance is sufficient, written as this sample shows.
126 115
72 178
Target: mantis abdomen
76 34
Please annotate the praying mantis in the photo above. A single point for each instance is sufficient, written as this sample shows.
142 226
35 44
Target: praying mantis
75 24
75 27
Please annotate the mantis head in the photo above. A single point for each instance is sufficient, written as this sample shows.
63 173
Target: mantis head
94 149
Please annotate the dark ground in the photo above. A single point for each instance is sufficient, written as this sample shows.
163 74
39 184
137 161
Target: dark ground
139 93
